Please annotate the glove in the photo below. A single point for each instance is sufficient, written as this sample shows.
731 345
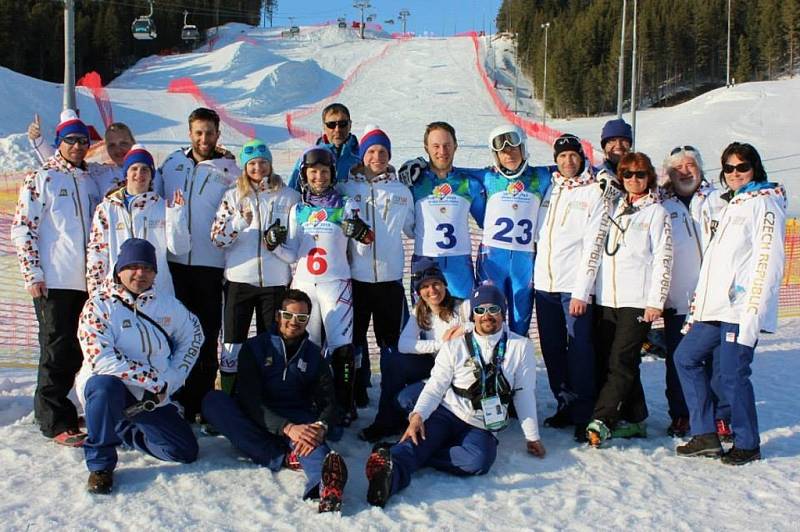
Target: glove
412 170
275 235
357 229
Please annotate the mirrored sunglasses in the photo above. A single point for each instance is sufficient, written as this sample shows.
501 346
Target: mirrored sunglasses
83 141
286 315
491 309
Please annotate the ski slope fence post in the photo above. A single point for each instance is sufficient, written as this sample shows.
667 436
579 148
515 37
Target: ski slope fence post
94 83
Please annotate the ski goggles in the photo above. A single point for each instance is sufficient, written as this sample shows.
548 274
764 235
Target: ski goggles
318 156
341 124
72 140
288 316
729 168
491 309
677 149
512 138
255 149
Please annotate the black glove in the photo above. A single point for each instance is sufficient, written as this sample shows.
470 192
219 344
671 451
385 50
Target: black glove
411 170
275 235
357 229
147 404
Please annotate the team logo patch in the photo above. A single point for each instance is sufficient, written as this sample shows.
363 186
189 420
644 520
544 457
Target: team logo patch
357 198
268 361
179 168
318 216
515 187
302 365
126 324
63 192
165 321
120 226
443 190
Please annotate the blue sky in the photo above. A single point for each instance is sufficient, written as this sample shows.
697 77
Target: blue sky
435 16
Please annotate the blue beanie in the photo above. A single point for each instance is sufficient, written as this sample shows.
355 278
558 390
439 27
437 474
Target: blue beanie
423 270
373 136
254 149
138 154
615 128
487 293
136 251
70 125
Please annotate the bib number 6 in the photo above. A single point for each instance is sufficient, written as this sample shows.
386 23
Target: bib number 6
449 235
315 262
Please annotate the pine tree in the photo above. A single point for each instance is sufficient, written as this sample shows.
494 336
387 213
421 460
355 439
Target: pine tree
791 24
744 61
769 36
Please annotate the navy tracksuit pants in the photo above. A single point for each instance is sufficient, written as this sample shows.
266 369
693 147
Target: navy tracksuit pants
568 350
398 370
162 433
512 272
262 447
692 356
450 445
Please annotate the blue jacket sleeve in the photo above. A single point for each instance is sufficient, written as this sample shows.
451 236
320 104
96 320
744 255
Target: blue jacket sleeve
478 206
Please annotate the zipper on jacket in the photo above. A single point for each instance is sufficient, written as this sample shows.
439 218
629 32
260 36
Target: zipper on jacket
552 216
203 186
375 232
77 198
699 312
285 358
145 228
189 205
692 233
141 339
260 236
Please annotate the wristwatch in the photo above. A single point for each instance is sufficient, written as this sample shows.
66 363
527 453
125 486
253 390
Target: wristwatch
322 424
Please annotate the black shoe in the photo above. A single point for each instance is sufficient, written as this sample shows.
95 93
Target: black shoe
100 482
379 475
701 445
559 420
362 398
741 456
376 432
580 433
679 427
334 478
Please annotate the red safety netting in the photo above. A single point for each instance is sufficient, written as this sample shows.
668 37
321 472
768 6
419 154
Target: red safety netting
94 83
188 86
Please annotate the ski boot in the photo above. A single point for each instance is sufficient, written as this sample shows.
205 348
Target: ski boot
597 432
625 429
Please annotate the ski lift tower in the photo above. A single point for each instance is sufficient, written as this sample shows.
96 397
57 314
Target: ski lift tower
404 14
363 6
69 55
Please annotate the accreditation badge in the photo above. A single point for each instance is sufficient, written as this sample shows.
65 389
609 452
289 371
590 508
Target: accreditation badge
495 416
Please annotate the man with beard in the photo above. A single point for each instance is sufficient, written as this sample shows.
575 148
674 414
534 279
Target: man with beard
466 400
202 172
693 204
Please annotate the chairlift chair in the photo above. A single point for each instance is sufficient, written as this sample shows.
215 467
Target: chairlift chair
144 28
189 32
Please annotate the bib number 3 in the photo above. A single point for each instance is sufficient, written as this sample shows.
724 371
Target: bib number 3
449 236
315 261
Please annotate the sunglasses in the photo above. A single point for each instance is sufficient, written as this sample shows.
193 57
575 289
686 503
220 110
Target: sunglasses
491 309
741 168
678 149
638 174
258 148
512 138
341 124
286 315
83 141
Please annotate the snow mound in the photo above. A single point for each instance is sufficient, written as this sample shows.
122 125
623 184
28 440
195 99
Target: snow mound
281 87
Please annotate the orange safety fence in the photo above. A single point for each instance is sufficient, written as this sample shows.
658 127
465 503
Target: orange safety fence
188 86
94 83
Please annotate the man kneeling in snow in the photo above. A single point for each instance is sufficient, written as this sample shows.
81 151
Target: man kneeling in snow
138 347
283 403
472 384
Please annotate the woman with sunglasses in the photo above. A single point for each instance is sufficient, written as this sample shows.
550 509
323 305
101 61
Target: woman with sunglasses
631 259
436 318
514 192
255 278
693 204
135 211
320 226
736 298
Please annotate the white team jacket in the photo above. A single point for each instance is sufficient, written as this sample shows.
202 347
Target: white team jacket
691 233
146 216
247 259
563 235
630 257
117 338
51 225
454 366
743 265
203 186
387 206
427 342
107 176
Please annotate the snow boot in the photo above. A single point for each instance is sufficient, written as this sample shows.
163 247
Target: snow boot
100 482
70 438
679 427
560 419
741 456
379 475
597 432
344 371
376 432
580 433
724 431
629 430
701 445
334 478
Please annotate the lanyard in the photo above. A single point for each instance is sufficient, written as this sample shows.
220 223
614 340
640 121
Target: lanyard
497 360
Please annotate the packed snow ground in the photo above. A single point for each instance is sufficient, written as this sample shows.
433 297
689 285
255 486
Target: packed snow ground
631 485
636 484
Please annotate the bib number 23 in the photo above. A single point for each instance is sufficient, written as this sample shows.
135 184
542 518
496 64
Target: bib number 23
315 261
507 225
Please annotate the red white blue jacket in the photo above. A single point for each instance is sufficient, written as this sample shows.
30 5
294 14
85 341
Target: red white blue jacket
147 340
